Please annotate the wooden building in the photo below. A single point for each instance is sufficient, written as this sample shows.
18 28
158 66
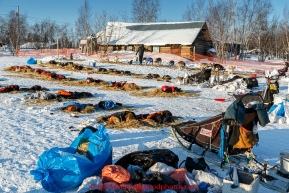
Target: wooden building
180 38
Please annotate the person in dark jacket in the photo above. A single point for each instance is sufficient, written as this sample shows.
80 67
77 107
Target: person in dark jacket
140 53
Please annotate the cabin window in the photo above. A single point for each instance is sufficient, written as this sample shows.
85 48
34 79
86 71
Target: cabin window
129 48
156 49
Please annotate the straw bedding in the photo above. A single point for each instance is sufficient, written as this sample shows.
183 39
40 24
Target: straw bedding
70 67
126 87
159 93
144 124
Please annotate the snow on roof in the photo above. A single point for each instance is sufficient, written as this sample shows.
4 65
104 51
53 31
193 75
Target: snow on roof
161 33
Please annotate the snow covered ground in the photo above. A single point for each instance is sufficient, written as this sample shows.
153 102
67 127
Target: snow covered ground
29 129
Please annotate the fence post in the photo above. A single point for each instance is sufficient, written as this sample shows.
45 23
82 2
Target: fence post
57 50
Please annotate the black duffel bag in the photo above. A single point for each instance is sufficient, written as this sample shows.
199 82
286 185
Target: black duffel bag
148 158
251 82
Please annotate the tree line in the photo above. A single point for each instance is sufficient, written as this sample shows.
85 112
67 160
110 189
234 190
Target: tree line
252 24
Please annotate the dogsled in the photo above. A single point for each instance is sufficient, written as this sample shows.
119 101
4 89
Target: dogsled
228 138
230 132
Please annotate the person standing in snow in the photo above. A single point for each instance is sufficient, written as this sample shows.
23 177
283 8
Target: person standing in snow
140 53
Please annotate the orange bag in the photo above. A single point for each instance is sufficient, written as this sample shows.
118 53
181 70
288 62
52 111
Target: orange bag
150 116
73 108
179 174
247 139
115 173
64 93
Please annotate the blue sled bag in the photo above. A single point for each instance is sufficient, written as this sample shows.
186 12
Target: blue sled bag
61 169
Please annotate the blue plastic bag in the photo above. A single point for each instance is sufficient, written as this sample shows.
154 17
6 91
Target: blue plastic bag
60 169
108 104
80 106
279 108
31 61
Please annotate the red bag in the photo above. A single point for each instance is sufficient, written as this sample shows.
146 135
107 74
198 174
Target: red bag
115 173
132 84
170 89
179 174
38 70
59 76
89 80
117 84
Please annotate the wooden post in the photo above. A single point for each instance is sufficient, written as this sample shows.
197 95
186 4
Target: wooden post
57 49
194 55
91 46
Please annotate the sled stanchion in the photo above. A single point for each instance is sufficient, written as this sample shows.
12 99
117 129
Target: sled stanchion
194 138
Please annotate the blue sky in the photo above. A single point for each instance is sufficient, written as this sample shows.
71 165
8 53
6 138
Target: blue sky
63 11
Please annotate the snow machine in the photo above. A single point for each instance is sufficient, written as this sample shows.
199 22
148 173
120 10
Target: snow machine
282 72
271 89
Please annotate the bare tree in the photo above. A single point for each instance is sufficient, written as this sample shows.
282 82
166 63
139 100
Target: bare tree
261 27
105 26
124 16
14 27
83 22
284 32
144 11
3 27
197 11
63 32
250 15
72 38
42 33
220 20
35 33
268 38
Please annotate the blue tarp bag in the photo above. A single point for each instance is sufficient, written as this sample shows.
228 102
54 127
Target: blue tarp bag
60 169
80 106
279 109
149 59
108 104
31 61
